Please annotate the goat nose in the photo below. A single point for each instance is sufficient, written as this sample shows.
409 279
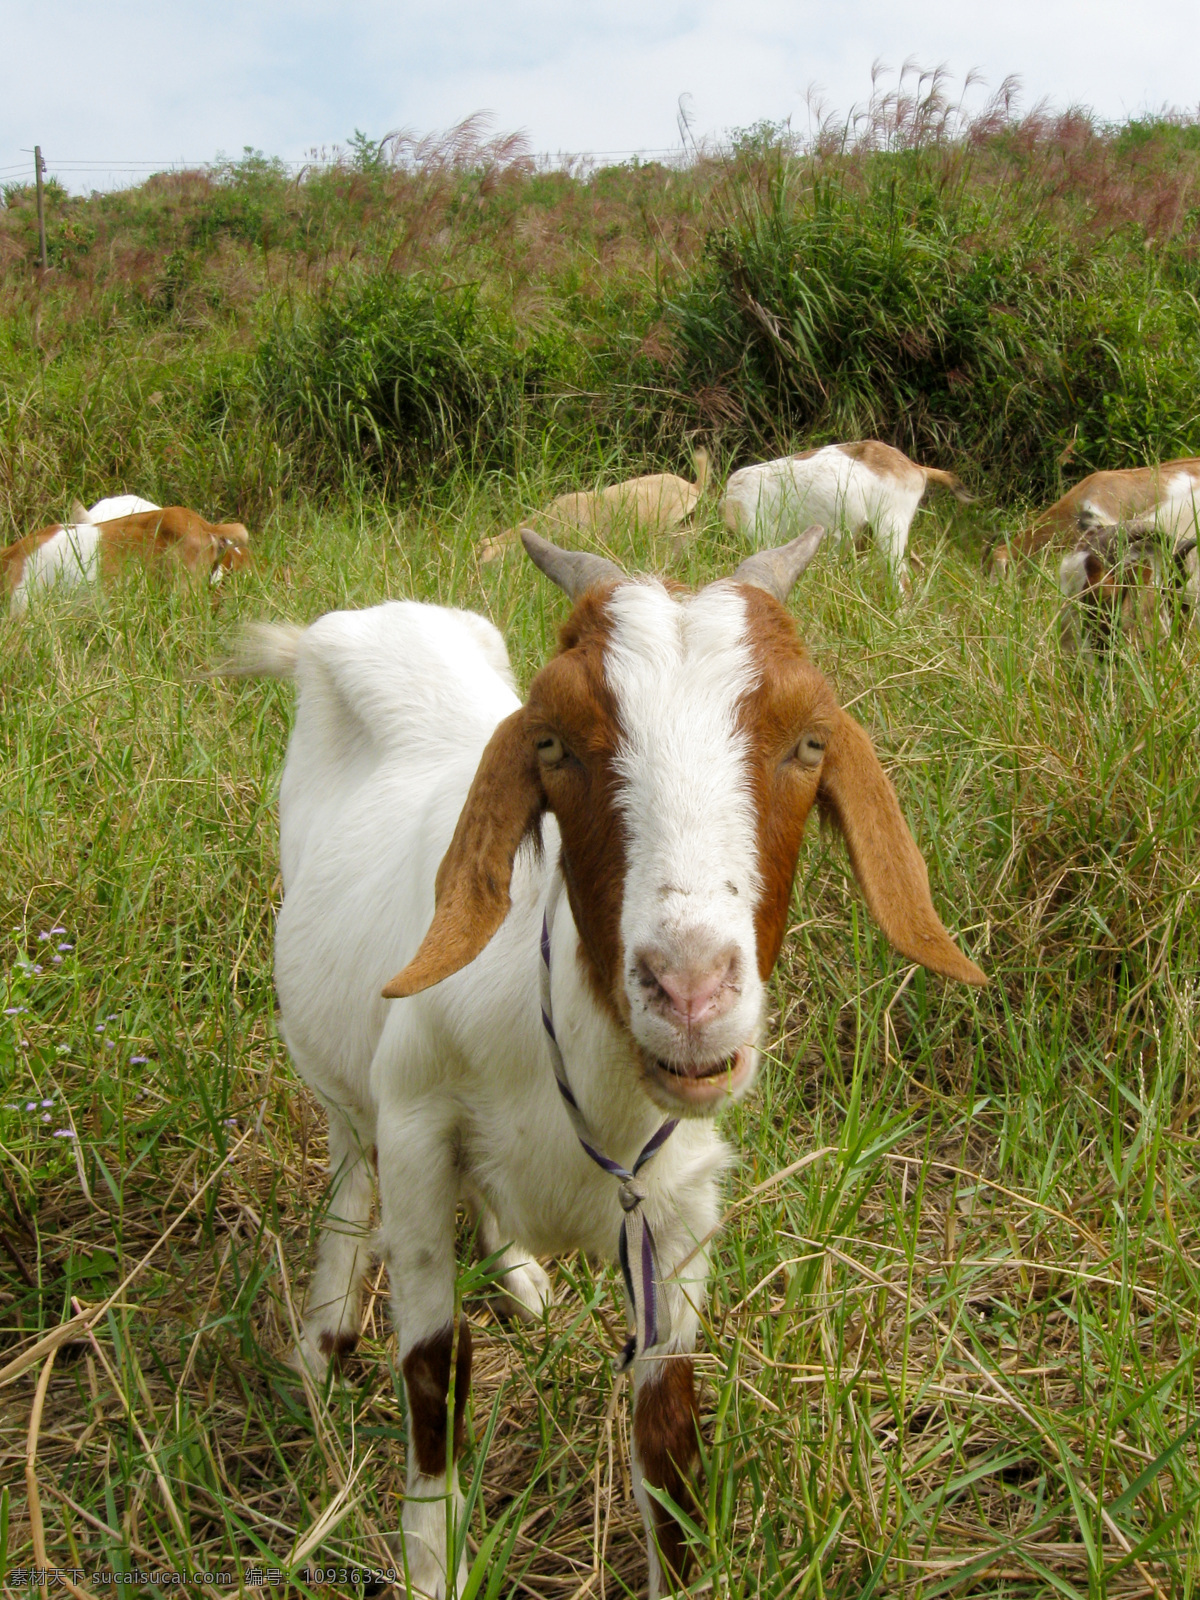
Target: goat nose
695 993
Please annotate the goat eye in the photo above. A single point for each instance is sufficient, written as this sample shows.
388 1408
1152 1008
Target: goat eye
810 752
550 750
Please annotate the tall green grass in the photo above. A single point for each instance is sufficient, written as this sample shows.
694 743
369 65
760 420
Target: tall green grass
955 317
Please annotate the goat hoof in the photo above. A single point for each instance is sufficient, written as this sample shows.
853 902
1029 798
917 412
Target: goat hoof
526 1291
319 1349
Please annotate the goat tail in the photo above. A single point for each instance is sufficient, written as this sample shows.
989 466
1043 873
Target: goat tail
947 480
263 650
700 467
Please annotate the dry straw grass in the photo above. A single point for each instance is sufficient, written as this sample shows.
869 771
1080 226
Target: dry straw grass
951 1343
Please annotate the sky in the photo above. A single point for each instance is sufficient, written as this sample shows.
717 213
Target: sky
149 82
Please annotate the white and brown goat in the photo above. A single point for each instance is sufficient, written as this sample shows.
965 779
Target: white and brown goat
1133 577
847 487
658 504
96 544
660 772
1101 500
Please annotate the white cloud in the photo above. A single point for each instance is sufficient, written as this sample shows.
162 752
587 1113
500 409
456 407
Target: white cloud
141 81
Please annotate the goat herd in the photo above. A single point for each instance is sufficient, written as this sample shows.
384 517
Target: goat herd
523 951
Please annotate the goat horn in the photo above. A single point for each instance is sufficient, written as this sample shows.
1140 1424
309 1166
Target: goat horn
778 570
575 571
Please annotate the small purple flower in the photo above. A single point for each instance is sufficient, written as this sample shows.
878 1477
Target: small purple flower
15 1011
111 1017
58 930
47 1103
138 1061
31 1105
36 968
58 961
66 947
99 1027
46 1117
64 1133
110 1044
42 937
231 1122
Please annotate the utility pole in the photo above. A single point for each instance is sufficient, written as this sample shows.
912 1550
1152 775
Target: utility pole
38 166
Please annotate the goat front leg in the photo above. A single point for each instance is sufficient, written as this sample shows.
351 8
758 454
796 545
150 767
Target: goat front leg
664 1423
334 1306
418 1189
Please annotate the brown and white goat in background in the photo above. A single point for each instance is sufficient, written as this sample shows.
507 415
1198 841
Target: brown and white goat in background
846 487
1101 500
98 543
665 761
1132 577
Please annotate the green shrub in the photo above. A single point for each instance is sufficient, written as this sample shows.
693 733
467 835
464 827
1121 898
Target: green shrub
945 316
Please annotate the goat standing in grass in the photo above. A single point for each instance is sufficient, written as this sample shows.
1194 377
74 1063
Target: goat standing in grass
847 487
581 981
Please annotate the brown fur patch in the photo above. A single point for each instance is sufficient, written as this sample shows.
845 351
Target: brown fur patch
173 533
791 700
571 697
884 460
337 1345
664 1435
426 1370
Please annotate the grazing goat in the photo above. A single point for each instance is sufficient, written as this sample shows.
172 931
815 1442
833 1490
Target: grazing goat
847 487
659 504
95 543
1102 499
581 982
1132 577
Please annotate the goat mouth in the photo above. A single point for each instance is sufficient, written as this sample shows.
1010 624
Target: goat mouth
706 1083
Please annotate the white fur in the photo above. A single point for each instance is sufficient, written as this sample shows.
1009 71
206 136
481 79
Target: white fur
454 1086
775 500
678 670
68 559
120 505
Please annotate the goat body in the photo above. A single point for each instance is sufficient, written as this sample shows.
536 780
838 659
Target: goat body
1132 576
1103 499
659 503
96 544
846 487
665 761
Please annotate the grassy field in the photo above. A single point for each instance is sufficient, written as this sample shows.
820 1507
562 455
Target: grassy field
953 1332
952 1340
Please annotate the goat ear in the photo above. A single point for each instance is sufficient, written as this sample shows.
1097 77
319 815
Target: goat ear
890 869
472 898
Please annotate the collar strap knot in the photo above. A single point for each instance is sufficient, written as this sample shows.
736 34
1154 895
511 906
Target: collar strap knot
635 1247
